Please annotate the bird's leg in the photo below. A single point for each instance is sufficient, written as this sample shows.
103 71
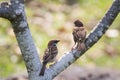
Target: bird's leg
51 64
55 61
73 46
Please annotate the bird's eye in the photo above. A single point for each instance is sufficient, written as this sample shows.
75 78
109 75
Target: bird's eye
54 44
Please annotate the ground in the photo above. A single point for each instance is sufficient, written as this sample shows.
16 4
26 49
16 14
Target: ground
79 73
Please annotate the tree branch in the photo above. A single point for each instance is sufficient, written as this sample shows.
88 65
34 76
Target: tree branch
93 37
15 13
17 1
4 10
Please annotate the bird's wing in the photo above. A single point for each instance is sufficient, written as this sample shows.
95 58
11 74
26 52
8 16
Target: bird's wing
50 54
81 34
46 55
75 36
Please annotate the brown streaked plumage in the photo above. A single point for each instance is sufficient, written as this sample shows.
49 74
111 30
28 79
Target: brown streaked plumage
49 55
79 35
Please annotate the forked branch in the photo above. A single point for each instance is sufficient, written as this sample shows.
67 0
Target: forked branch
14 12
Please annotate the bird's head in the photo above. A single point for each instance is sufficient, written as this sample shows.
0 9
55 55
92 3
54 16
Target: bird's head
53 42
78 23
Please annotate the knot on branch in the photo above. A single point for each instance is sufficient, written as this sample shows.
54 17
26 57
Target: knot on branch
12 10
4 4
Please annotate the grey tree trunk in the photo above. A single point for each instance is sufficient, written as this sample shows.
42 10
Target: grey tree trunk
15 13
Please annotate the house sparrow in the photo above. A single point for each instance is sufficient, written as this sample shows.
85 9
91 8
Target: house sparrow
49 55
79 35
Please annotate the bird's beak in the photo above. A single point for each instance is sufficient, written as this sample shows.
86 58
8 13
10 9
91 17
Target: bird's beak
58 41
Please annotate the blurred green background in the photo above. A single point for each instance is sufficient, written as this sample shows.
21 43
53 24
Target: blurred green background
53 19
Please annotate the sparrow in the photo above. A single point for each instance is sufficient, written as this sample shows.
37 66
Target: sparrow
79 35
49 55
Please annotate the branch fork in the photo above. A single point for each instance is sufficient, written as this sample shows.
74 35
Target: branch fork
14 12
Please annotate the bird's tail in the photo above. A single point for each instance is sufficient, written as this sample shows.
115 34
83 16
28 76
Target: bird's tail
81 46
42 70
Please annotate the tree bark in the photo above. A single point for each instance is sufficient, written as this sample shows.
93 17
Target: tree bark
15 13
